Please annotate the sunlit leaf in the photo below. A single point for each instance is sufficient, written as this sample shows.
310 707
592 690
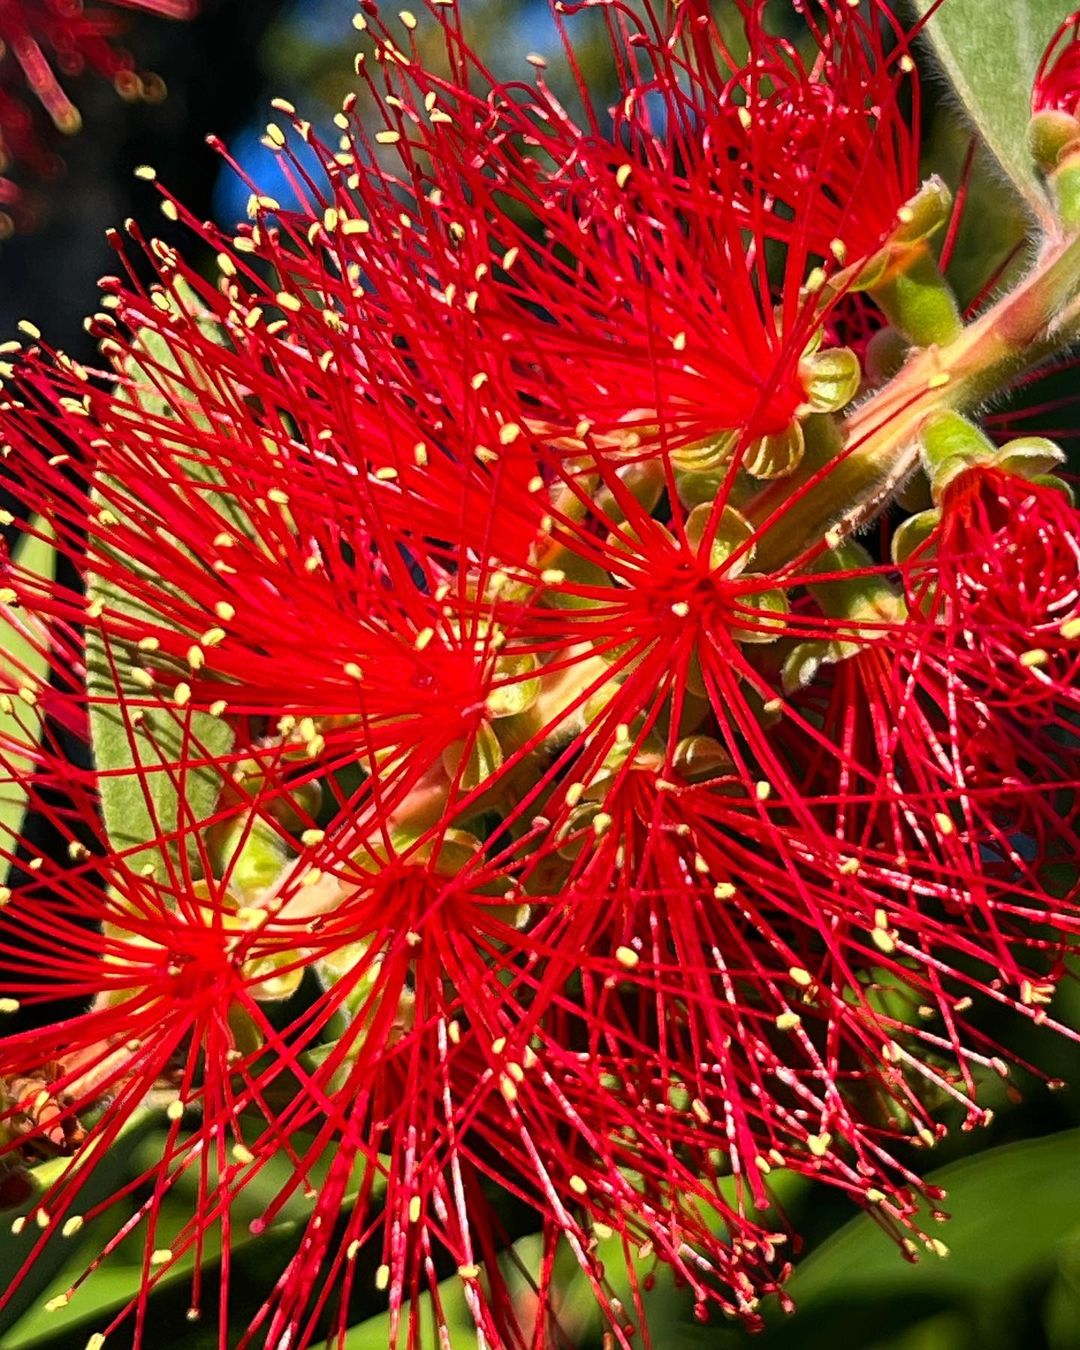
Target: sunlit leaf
989 53
23 658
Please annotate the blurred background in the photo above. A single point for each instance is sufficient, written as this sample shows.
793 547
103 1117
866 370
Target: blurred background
1012 1281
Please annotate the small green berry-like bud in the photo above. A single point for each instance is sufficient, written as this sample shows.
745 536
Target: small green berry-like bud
858 592
699 757
918 300
516 685
1051 480
924 214
831 379
705 456
1065 187
579 572
806 658
777 454
1030 456
1049 134
253 858
950 444
485 759
759 626
913 533
644 480
733 532
886 352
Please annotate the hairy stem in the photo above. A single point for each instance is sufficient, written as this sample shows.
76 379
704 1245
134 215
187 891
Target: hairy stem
837 495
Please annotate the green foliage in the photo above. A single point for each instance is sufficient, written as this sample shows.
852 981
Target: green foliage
176 785
1015 1228
23 658
26 1319
141 807
255 1260
989 53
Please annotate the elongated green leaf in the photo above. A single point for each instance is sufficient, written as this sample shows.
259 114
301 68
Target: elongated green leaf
255 1259
990 50
1016 1210
22 659
108 1174
146 772
1010 1208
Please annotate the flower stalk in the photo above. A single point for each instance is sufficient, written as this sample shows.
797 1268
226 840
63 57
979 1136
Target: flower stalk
840 495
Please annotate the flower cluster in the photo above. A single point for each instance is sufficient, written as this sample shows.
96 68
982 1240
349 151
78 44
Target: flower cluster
43 43
516 787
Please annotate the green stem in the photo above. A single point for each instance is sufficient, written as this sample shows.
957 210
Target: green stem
837 495
919 302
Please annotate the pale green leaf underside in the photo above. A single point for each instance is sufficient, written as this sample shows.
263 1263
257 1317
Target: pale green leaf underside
145 772
35 554
150 779
990 50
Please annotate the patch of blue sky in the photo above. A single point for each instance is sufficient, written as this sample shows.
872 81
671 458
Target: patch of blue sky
322 23
529 27
266 171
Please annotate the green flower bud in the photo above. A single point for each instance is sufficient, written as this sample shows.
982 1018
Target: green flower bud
484 760
253 855
733 532
913 533
700 757
949 444
516 687
777 454
759 627
1050 133
831 379
1030 456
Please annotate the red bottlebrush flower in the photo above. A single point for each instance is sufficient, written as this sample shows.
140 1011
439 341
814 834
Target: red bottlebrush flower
1001 577
828 132
43 42
636 252
1057 80
477 677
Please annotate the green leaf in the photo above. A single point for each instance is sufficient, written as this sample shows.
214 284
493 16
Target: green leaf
145 771
160 777
24 662
108 1174
1015 1218
989 53
1011 1207
256 1260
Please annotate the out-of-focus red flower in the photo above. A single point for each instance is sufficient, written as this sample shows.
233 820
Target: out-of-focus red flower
43 44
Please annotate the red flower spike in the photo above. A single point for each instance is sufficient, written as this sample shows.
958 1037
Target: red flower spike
827 134
592 848
179 974
639 298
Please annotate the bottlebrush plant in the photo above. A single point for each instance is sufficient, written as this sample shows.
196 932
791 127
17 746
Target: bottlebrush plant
583 703
42 43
